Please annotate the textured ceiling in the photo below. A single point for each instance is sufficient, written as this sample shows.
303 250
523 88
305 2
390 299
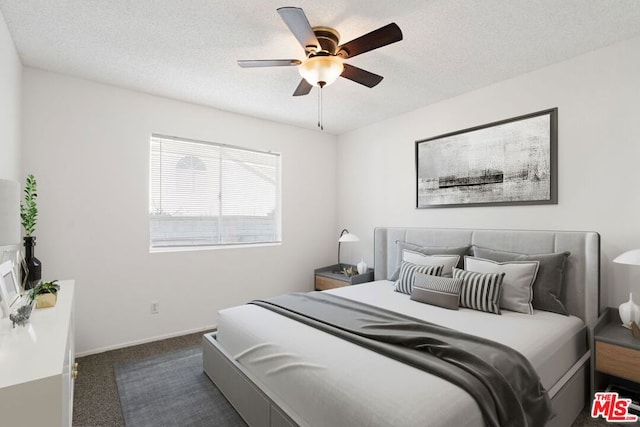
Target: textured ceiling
188 49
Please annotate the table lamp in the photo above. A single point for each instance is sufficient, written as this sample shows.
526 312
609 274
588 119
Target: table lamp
629 311
345 236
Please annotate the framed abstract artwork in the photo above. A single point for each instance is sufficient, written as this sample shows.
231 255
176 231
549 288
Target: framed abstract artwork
510 162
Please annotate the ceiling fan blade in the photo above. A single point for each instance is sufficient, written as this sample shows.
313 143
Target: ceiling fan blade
303 88
254 63
377 38
299 25
361 76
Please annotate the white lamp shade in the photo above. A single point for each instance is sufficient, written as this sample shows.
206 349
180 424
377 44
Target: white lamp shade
9 212
325 69
348 237
631 257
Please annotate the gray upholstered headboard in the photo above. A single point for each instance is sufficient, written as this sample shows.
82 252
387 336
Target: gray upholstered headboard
582 273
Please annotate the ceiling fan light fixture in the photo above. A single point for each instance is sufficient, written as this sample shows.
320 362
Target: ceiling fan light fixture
321 70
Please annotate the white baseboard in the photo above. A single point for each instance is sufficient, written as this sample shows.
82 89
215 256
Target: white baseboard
145 340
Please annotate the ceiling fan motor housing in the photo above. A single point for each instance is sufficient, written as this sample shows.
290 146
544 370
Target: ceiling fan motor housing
328 39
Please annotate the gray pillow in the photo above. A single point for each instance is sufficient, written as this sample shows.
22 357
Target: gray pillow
441 291
480 291
547 289
428 250
517 286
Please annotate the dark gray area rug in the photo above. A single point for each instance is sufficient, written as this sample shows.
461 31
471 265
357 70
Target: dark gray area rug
172 390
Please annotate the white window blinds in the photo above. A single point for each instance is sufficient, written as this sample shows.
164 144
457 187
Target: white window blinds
207 194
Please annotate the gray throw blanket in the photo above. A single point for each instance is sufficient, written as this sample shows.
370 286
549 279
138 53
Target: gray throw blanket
501 380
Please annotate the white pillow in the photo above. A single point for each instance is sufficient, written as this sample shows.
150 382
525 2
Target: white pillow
517 292
446 261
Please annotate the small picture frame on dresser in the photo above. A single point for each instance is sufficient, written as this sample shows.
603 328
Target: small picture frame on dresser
9 287
4 308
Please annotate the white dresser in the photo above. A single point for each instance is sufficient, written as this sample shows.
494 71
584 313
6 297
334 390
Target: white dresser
37 366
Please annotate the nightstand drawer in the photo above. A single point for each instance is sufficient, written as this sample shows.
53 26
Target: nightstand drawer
324 283
620 361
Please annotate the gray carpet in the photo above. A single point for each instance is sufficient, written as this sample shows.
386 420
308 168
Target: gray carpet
172 390
96 401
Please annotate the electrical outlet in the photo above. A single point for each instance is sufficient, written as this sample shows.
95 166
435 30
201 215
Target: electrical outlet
155 307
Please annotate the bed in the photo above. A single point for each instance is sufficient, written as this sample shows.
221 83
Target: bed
278 372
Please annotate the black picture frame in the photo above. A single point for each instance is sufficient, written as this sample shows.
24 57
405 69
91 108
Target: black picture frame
503 163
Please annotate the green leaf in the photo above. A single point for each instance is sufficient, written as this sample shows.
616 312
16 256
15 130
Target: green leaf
28 209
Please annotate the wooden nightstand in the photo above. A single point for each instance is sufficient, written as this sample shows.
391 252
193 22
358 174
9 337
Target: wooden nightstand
329 278
617 356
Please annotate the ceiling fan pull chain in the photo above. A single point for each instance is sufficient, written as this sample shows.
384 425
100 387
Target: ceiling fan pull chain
319 90
320 118
321 110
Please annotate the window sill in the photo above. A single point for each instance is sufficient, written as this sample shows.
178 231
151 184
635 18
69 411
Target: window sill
209 248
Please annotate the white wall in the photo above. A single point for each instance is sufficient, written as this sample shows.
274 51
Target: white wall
88 145
598 100
10 85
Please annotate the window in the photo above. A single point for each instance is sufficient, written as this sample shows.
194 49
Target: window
207 194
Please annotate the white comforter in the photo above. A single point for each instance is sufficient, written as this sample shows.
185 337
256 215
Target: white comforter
326 381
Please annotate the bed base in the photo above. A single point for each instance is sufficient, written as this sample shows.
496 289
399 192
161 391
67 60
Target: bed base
260 408
249 397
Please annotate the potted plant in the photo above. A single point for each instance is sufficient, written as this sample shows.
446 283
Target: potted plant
29 216
45 294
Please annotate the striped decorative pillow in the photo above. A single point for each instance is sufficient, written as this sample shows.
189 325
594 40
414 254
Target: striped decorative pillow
480 291
434 290
447 261
407 275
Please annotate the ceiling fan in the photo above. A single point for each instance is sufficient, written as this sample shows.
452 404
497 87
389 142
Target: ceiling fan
325 57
